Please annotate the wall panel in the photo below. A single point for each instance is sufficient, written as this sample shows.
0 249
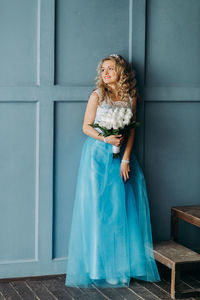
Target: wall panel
18 193
172 44
86 33
68 143
172 146
18 51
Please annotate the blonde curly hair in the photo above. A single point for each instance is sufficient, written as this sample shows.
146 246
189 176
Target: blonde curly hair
126 81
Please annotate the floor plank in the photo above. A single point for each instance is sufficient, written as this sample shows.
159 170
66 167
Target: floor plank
57 289
24 291
140 290
2 297
95 293
157 291
75 292
111 293
8 291
128 294
40 290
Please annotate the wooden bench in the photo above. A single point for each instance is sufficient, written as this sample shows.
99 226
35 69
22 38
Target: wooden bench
190 214
175 256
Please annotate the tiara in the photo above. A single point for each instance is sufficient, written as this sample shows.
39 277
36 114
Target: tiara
114 55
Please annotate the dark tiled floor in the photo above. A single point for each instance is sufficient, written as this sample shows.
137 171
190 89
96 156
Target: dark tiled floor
53 288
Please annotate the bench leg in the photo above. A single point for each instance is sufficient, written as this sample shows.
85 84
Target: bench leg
174 226
175 278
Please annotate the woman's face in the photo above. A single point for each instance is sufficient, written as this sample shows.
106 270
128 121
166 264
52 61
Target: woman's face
108 72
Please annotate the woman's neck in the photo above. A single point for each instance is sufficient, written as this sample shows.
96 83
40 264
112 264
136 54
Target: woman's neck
114 89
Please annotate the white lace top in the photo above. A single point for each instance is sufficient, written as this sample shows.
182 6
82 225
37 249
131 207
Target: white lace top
105 105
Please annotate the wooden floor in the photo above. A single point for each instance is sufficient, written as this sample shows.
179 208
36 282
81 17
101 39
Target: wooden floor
53 287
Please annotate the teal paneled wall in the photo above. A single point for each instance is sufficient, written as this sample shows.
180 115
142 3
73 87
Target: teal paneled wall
172 45
19 167
89 31
49 54
69 139
172 144
19 36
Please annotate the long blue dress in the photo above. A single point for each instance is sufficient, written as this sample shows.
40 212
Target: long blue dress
110 238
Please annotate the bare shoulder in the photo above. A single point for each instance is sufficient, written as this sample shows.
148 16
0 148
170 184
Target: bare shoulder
95 93
94 98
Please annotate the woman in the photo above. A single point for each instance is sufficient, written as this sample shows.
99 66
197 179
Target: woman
110 239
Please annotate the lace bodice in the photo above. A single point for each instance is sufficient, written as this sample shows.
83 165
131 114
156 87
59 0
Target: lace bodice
105 105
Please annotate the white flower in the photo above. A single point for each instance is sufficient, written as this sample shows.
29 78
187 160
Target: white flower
114 122
109 114
115 126
109 125
121 115
127 117
107 119
120 123
129 112
103 119
120 118
122 110
102 124
116 110
126 121
112 119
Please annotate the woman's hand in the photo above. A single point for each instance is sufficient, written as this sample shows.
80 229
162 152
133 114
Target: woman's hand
115 140
124 170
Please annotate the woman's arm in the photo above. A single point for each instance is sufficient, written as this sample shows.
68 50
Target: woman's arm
131 137
125 168
89 118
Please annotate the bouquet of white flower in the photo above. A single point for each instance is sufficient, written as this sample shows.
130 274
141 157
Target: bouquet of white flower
116 121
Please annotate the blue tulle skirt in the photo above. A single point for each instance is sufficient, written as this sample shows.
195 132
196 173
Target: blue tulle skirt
110 239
